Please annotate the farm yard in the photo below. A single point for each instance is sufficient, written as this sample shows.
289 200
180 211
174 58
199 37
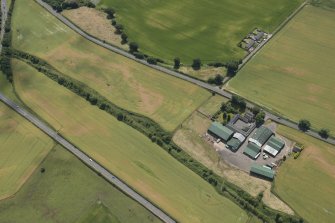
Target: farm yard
190 138
126 152
86 196
22 149
128 84
307 183
294 73
209 30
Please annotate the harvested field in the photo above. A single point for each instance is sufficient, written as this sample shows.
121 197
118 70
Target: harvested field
128 84
23 147
126 152
307 183
294 73
68 191
95 23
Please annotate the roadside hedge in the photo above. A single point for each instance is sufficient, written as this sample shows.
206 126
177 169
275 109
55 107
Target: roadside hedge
159 136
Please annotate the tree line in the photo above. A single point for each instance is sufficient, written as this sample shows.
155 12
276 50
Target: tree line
60 5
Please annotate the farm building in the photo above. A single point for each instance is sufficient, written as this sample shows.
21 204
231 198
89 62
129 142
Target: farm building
235 142
252 150
261 135
274 146
220 131
262 171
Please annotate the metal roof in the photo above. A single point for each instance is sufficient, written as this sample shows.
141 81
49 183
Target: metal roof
252 150
239 136
274 146
261 135
234 144
263 171
221 131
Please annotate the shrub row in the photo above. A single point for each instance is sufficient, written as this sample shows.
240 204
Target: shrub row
5 64
157 135
60 5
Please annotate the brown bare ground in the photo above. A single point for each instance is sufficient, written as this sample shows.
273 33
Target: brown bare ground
204 73
189 139
95 23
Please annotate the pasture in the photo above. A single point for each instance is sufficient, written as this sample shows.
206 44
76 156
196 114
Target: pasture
294 73
68 191
126 152
128 84
22 148
189 29
307 183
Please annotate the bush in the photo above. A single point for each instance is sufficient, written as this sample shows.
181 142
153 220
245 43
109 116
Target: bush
324 133
176 63
304 125
133 47
196 65
296 155
139 55
152 60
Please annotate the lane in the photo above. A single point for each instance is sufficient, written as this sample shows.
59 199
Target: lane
87 160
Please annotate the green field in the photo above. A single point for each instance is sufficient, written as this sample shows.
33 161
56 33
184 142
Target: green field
128 84
22 148
189 29
294 73
68 191
307 183
125 151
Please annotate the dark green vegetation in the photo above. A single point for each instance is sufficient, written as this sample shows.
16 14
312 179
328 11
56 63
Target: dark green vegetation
68 191
189 29
59 5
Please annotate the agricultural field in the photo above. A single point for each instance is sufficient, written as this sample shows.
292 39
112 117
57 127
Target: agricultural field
294 73
128 84
126 152
68 191
307 183
188 137
23 147
209 30
97 25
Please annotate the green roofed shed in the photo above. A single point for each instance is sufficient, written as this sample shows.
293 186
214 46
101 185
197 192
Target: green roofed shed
221 131
233 144
252 150
262 171
274 145
261 135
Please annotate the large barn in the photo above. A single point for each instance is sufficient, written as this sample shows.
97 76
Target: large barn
274 146
220 131
261 135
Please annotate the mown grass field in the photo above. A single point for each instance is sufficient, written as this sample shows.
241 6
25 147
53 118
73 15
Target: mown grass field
68 191
128 84
125 151
307 183
294 73
22 148
189 29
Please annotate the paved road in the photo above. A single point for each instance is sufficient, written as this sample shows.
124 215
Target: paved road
88 161
217 90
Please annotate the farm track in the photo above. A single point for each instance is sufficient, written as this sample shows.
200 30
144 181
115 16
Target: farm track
269 115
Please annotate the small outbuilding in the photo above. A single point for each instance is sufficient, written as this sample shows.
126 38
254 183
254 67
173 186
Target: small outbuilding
274 146
252 150
261 135
220 131
262 171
